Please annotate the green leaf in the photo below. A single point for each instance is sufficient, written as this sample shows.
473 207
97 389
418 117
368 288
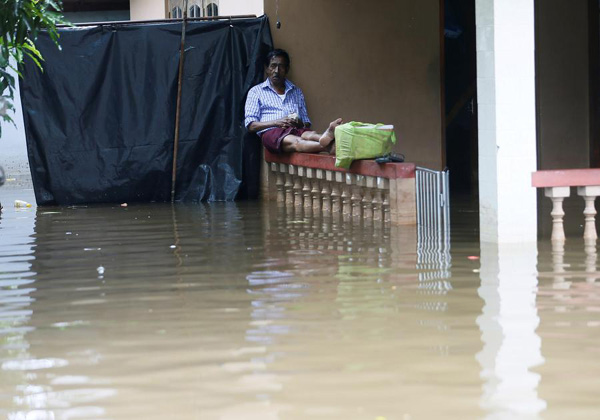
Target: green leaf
35 59
7 76
30 46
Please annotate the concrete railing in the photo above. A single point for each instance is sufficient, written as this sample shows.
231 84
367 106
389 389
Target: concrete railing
557 186
368 190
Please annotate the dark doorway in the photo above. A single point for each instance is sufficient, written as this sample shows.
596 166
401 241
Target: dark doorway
594 68
460 93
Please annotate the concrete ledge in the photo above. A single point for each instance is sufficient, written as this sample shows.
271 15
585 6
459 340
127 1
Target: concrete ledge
360 167
566 178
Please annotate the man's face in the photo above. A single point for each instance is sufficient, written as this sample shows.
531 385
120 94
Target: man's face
277 70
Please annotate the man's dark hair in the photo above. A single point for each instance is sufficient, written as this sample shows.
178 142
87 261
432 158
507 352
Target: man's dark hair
277 53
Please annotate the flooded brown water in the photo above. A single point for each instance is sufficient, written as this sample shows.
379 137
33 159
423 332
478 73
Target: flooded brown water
248 311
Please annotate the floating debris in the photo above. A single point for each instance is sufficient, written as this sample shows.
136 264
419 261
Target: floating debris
21 203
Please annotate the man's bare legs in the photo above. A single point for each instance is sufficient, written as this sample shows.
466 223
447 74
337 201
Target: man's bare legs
311 141
293 143
311 135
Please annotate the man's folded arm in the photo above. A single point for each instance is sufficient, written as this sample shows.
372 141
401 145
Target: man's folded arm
256 126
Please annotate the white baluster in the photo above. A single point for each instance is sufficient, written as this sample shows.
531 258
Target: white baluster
385 189
378 200
295 171
345 197
302 173
356 198
289 185
336 193
315 191
325 177
368 198
557 195
589 194
278 181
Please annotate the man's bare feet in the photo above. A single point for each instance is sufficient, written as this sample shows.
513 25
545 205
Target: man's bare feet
329 134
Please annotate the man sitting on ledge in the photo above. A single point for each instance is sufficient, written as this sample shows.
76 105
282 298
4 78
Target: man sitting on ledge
276 111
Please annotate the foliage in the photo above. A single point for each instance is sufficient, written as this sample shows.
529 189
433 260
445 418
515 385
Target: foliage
20 23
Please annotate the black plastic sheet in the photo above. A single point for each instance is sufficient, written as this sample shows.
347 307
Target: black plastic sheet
100 119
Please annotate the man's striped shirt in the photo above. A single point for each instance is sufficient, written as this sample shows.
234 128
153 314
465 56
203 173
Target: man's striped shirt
264 104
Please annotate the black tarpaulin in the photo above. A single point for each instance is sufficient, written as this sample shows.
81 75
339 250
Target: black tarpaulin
100 119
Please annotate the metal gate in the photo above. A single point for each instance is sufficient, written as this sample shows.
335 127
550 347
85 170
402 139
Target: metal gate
433 199
433 230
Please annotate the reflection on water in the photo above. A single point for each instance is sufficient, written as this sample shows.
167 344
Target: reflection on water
569 307
434 259
508 329
250 311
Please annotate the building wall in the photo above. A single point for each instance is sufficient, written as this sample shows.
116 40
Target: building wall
563 99
147 9
368 61
155 9
562 83
241 7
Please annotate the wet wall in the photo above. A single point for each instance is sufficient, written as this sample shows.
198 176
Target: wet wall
562 41
562 70
368 61
100 119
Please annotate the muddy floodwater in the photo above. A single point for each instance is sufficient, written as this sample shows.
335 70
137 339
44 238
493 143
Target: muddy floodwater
251 311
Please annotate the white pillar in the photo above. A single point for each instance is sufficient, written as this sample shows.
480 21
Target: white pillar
507 129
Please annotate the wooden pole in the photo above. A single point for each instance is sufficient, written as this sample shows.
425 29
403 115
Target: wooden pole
178 109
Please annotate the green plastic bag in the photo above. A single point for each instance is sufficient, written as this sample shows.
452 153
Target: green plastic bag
356 140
